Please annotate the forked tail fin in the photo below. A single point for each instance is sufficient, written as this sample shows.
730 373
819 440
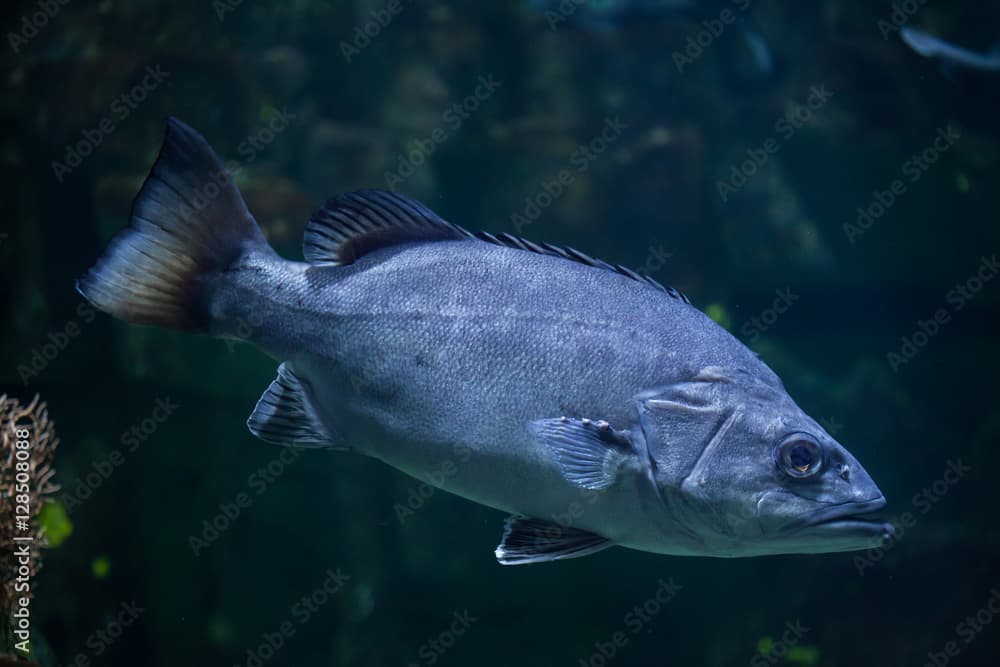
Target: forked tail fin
188 223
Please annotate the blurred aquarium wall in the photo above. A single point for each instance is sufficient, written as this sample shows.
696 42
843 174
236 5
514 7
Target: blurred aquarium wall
819 188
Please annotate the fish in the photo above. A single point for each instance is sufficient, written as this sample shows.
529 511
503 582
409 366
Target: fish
595 406
949 54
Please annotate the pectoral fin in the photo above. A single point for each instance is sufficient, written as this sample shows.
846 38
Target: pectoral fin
528 540
285 415
589 453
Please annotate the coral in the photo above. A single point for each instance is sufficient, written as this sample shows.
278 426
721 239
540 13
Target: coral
30 481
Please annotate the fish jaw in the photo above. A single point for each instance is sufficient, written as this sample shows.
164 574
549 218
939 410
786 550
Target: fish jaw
850 526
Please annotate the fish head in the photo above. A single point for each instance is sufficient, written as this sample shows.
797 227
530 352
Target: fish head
744 471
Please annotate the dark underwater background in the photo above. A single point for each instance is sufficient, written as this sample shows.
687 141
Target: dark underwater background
735 177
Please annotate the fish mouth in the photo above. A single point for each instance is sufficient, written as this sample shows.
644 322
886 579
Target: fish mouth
848 526
851 519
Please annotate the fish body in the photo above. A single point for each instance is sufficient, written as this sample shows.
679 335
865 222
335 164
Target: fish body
594 405
950 55
475 341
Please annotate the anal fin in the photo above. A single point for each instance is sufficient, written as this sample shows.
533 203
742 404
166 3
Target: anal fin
527 540
285 416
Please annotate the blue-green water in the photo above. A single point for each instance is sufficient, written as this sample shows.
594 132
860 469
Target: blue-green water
834 204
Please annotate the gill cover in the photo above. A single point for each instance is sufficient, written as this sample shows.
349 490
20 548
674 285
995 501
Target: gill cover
691 430
685 424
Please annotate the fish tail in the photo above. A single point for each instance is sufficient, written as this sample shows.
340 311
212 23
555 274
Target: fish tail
188 224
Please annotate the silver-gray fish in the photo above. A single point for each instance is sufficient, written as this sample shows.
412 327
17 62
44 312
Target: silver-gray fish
930 46
594 405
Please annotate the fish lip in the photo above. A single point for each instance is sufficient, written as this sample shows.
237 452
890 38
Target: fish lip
843 519
846 526
851 521
847 513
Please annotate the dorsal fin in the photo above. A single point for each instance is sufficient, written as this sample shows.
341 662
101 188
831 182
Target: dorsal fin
356 223
574 255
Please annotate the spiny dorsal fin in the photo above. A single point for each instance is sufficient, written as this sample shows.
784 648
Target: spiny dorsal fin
356 223
574 255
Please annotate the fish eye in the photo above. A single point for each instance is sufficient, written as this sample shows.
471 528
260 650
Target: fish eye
799 456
